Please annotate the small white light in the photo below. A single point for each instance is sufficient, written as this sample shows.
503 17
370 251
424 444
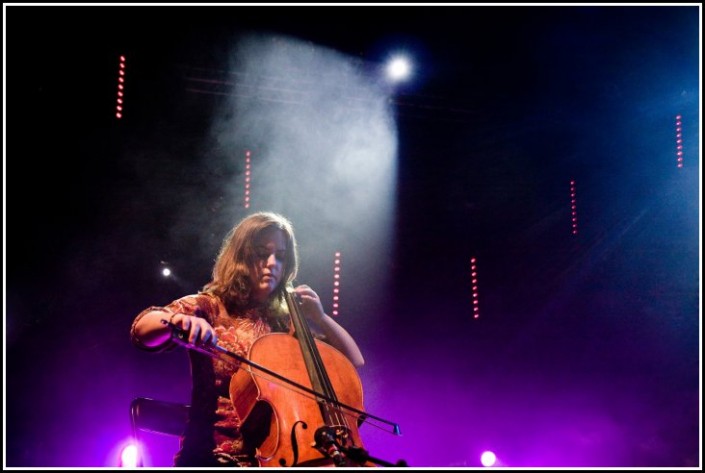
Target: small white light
398 69
129 457
488 458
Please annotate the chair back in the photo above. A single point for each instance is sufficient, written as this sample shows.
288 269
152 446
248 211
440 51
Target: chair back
161 417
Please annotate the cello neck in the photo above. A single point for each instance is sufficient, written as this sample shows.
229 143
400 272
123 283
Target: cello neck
312 358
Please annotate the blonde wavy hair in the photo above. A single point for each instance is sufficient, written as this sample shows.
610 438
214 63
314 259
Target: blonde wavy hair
237 258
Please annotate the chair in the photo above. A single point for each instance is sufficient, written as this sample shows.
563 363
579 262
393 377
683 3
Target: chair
155 416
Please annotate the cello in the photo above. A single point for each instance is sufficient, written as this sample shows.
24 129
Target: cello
303 429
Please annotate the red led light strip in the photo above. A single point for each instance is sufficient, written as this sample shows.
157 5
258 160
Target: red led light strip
573 209
247 179
475 294
679 141
121 88
336 283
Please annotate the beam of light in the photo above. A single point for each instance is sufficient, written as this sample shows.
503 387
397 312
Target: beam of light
325 135
121 88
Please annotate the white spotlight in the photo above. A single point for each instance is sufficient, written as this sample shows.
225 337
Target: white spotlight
166 272
129 457
398 69
488 458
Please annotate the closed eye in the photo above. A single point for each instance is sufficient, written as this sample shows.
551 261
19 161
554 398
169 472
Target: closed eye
263 253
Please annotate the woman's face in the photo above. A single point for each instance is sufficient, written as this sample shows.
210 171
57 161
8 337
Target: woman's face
270 253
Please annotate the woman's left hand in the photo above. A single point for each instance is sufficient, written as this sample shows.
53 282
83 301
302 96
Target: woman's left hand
310 303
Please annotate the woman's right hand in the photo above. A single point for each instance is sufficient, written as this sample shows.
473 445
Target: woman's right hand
200 332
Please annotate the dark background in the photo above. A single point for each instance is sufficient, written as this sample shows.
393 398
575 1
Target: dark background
588 346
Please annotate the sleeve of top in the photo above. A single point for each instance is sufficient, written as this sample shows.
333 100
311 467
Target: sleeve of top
196 305
166 346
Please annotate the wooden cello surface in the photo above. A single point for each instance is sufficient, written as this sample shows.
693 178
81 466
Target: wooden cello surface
296 415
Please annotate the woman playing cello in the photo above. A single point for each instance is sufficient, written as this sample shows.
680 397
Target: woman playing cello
245 301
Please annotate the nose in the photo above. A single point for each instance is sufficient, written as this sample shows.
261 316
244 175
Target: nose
271 260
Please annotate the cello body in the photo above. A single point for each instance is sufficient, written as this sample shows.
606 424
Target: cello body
294 416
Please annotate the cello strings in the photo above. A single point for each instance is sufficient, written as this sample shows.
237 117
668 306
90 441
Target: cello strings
338 408
306 338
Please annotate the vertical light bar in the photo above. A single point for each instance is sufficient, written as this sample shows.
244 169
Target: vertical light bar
573 208
475 293
336 283
679 141
247 179
121 88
